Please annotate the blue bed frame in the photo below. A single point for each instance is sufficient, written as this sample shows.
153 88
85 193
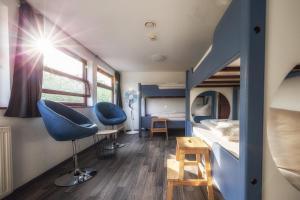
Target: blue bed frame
239 34
153 91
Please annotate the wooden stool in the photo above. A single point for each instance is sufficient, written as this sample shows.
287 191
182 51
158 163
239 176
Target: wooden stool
175 168
164 129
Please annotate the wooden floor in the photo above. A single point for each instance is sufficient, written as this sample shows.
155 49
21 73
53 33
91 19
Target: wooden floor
137 172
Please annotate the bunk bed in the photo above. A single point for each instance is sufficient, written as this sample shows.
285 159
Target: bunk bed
175 120
239 34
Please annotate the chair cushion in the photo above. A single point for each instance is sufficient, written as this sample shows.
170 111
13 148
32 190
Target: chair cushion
109 114
64 123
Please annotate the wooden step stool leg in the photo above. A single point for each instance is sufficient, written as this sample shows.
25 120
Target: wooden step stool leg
181 165
170 190
177 153
210 191
198 159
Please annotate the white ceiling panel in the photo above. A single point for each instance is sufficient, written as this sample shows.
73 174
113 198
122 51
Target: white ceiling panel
114 29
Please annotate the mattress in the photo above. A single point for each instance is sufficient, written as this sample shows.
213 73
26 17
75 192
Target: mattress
210 137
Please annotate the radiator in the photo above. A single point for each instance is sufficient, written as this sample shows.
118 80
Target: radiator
5 162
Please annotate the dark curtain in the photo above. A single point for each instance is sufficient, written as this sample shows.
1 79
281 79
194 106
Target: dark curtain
118 90
28 68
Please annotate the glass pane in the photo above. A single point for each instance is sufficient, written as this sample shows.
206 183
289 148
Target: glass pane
60 61
104 95
56 82
62 98
104 79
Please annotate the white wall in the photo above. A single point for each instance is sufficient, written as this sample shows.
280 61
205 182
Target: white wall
4 56
165 105
227 92
288 96
130 80
282 54
34 151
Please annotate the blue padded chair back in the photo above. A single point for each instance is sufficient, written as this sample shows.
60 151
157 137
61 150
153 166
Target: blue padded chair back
109 114
64 123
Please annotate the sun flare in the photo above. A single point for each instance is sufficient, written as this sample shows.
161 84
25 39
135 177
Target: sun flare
43 45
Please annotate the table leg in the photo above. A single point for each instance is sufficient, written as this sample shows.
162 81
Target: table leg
181 165
208 176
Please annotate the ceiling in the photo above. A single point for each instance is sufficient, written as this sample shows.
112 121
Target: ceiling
115 31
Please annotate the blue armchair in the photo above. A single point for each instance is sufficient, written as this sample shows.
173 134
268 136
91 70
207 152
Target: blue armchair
66 124
110 115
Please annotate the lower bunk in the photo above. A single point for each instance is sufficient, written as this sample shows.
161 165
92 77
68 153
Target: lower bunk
225 164
172 122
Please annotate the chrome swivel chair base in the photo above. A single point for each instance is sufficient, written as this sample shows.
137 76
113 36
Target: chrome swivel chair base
75 178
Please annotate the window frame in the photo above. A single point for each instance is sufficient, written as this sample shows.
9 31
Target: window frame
101 85
63 74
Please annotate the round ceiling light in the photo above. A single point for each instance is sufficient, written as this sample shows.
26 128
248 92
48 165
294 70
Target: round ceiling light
150 24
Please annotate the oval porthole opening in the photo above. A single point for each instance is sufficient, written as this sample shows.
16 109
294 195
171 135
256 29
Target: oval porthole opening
210 105
283 127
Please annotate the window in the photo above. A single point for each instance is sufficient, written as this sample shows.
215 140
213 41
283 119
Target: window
105 86
65 78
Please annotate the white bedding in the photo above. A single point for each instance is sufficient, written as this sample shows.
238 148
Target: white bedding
176 116
210 137
228 129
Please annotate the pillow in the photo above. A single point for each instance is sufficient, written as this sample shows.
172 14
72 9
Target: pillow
208 123
234 134
223 128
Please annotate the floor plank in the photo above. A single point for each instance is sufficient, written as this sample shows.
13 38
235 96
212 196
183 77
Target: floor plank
136 172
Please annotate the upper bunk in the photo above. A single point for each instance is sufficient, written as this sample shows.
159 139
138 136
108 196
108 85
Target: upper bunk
225 48
162 91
